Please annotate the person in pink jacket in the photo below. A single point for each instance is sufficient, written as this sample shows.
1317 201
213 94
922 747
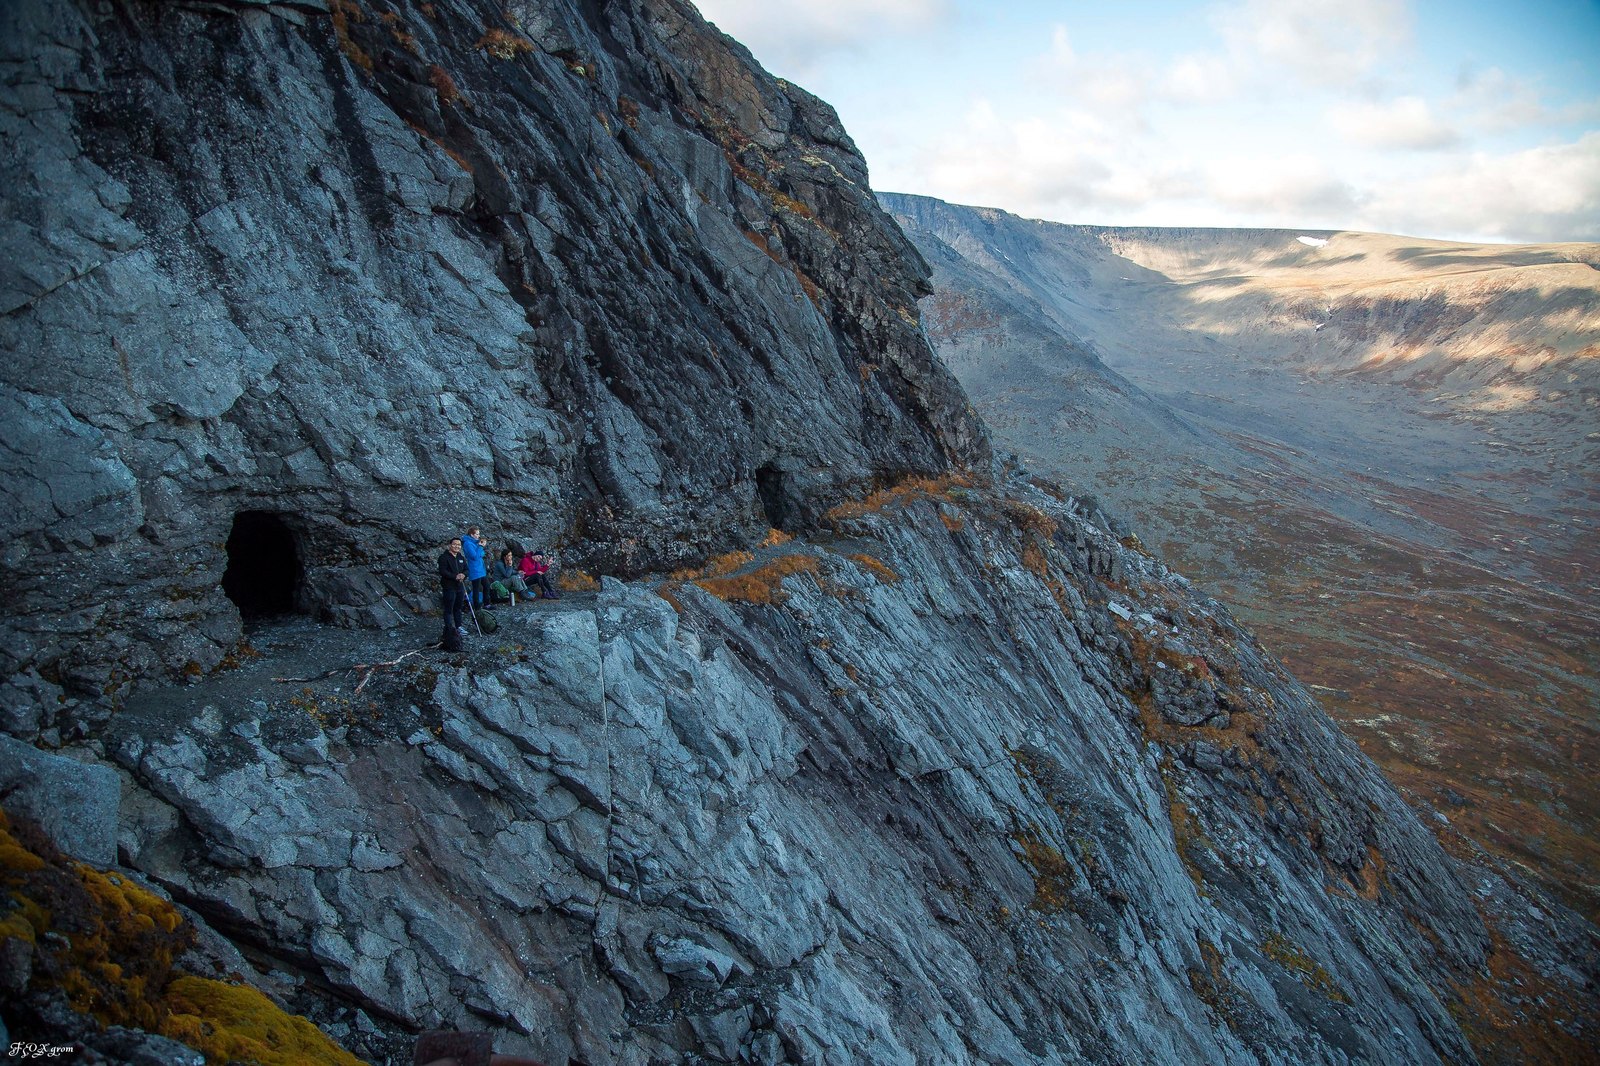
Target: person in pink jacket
535 568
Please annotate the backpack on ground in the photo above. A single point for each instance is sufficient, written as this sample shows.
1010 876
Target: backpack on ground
487 622
451 639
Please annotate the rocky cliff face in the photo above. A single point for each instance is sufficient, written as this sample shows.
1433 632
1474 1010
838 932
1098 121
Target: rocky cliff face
584 275
940 772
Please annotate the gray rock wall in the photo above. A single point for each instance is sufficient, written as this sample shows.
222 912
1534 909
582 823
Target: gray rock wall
585 276
953 776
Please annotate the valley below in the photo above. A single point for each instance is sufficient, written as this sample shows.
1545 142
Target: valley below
1381 451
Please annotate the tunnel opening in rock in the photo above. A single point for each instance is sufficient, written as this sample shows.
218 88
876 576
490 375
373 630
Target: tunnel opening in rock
264 573
774 498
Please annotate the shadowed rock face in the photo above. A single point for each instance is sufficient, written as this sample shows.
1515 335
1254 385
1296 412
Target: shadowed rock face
951 776
583 275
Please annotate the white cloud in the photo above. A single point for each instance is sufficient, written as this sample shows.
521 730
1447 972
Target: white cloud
1295 189
1493 101
1406 122
1115 86
1328 42
1069 165
792 35
1199 78
1496 101
1549 193
1302 114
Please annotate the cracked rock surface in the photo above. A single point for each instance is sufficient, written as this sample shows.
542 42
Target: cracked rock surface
933 768
666 823
586 276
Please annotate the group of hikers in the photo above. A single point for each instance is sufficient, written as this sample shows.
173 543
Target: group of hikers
468 583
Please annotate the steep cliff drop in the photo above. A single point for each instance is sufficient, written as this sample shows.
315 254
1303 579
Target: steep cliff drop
867 748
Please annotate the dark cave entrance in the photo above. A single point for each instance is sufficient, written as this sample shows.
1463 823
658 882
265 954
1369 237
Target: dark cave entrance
774 500
264 571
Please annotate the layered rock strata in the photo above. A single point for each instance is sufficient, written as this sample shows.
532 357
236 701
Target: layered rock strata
586 276
941 772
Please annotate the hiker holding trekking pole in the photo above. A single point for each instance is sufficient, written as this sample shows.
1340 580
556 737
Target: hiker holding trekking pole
453 593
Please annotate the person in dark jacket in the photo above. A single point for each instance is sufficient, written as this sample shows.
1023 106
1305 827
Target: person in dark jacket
477 573
505 578
453 585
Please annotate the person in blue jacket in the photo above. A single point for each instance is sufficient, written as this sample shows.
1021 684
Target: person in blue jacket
472 547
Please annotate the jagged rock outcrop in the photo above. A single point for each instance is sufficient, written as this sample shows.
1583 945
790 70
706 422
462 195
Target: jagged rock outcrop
587 276
944 772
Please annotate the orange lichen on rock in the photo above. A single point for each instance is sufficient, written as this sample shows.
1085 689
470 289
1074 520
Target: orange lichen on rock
1052 874
1514 1013
577 581
502 45
344 12
763 584
876 567
1374 875
1312 974
444 86
897 495
668 590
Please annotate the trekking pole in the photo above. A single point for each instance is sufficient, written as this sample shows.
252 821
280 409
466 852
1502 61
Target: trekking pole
389 605
474 615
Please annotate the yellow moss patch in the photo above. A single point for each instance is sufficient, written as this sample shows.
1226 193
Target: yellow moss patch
1187 836
1030 519
1517 1012
345 12
1133 542
236 1023
775 538
763 584
1212 984
1374 874
785 202
725 563
669 591
898 495
444 86
110 950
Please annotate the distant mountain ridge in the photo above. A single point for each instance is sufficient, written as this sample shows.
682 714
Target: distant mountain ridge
1374 431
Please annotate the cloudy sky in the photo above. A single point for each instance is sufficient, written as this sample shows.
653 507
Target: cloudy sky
1461 120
